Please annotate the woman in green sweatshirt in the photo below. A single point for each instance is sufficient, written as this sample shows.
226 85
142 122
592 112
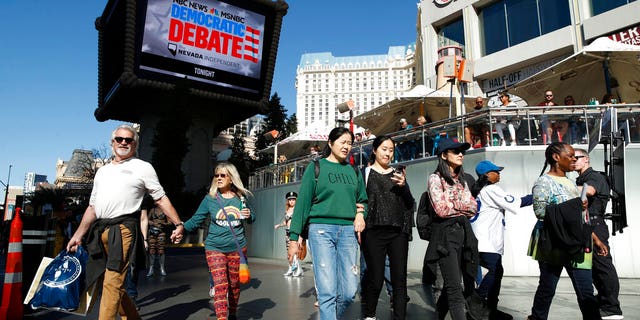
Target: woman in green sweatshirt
333 202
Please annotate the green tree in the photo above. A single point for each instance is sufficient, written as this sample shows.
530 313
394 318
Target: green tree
276 116
275 119
291 125
240 158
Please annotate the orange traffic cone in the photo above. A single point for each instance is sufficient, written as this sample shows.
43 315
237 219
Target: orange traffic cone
12 308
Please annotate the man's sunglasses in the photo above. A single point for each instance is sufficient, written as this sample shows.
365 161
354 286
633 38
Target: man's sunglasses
120 139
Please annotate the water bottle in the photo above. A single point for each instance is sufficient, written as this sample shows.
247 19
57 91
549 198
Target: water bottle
244 205
244 201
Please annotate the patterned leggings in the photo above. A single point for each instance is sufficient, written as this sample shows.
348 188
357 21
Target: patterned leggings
224 268
157 243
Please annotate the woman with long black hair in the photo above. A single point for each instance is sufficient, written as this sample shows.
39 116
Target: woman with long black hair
453 248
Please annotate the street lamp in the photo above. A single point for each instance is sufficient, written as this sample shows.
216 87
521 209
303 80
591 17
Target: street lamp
347 106
272 136
6 187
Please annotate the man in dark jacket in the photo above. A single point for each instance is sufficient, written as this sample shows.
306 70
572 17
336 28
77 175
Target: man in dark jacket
605 277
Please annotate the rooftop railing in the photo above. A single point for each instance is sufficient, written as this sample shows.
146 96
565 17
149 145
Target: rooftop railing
572 124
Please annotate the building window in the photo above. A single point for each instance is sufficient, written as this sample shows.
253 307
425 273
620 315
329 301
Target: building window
600 6
508 23
451 34
553 15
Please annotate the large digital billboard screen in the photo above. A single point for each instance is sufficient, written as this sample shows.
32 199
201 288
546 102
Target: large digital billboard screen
206 54
208 41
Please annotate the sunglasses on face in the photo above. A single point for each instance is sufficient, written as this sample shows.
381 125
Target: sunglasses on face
579 157
458 151
548 95
220 175
120 139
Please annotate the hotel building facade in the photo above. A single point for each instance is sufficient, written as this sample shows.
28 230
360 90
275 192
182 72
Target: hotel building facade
324 81
510 40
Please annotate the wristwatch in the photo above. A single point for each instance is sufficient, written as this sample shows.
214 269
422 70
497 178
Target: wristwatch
179 224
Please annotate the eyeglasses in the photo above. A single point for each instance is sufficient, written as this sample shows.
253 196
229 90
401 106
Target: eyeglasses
480 101
120 139
579 157
220 175
458 151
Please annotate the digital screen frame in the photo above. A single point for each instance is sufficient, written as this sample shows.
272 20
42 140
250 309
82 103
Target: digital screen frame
208 50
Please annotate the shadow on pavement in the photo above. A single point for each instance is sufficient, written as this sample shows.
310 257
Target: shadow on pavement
162 295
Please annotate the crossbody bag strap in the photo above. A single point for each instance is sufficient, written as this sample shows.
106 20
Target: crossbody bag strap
235 237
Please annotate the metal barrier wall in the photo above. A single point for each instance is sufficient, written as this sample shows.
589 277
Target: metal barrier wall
522 167
572 124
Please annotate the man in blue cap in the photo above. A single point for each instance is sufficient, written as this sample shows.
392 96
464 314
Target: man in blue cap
488 226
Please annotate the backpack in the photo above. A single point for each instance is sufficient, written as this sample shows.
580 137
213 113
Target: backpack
424 216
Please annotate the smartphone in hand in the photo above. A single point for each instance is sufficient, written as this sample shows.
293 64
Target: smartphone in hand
399 169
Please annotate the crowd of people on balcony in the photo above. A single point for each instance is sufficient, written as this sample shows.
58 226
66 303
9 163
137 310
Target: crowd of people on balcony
419 138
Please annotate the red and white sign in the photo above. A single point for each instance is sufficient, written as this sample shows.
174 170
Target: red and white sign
629 36
442 2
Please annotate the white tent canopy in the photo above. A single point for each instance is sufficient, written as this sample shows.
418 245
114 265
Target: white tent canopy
582 75
300 142
416 102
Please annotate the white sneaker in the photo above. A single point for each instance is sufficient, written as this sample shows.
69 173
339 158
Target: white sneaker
611 316
212 292
370 318
513 143
503 143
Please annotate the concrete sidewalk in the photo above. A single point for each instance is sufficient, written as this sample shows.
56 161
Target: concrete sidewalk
183 294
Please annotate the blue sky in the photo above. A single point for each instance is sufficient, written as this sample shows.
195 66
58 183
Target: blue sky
48 68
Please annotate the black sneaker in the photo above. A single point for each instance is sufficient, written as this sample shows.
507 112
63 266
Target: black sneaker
477 307
499 315
608 315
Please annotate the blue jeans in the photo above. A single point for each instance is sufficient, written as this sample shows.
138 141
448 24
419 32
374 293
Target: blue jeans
582 285
132 282
490 286
334 249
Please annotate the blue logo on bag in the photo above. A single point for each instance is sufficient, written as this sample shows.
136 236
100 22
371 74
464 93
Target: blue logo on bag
65 273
